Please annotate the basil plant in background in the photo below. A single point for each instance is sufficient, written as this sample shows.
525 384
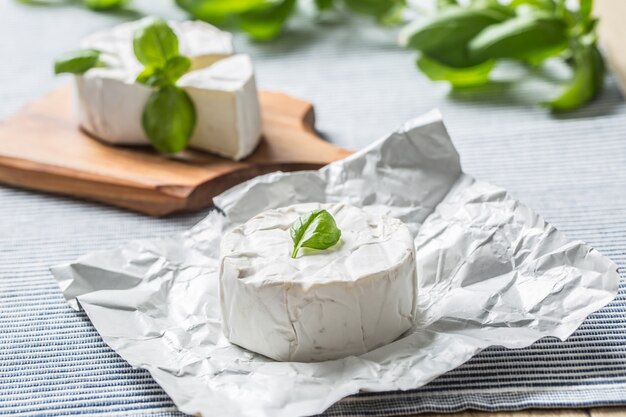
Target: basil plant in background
459 41
169 116
461 44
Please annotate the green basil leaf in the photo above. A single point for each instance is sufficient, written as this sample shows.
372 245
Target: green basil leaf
586 6
324 4
451 27
454 56
494 6
155 43
217 11
153 77
78 62
176 67
522 37
265 22
549 5
104 4
375 8
458 77
169 118
587 82
442 4
315 230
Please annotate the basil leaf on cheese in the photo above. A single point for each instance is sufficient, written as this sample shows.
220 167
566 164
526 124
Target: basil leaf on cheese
78 62
155 43
169 118
153 77
315 230
175 68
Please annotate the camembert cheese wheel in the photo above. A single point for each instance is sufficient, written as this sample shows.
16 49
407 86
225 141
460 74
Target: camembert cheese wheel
324 304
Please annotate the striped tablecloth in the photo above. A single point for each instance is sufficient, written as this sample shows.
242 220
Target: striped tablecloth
571 169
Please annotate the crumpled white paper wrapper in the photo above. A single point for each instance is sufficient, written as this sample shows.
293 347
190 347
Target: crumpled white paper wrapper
490 270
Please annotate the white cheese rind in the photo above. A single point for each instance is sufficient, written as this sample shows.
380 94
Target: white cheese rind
227 107
323 305
109 107
228 116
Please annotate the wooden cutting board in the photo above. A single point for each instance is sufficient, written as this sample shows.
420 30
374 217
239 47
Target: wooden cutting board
41 148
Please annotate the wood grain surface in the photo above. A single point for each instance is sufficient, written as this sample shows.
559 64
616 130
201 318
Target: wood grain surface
42 148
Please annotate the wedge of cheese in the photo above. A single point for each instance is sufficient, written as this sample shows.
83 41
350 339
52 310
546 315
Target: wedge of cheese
109 102
322 305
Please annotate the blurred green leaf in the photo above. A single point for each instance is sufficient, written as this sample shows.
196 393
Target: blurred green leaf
587 82
458 77
442 4
324 4
449 28
260 19
78 62
523 37
265 22
104 4
379 9
218 11
586 6
548 5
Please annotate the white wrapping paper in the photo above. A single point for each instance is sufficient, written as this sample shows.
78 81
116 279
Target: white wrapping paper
490 271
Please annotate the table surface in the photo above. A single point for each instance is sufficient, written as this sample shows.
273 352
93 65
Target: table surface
569 168
592 412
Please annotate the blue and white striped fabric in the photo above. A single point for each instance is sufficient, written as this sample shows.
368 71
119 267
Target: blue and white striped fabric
571 169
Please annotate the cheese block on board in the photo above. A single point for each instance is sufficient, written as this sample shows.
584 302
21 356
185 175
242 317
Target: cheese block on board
109 103
224 94
322 305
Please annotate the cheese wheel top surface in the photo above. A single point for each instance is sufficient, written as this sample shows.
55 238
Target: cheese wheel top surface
370 245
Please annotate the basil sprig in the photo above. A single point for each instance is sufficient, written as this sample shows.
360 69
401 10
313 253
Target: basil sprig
316 230
460 44
169 116
78 62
